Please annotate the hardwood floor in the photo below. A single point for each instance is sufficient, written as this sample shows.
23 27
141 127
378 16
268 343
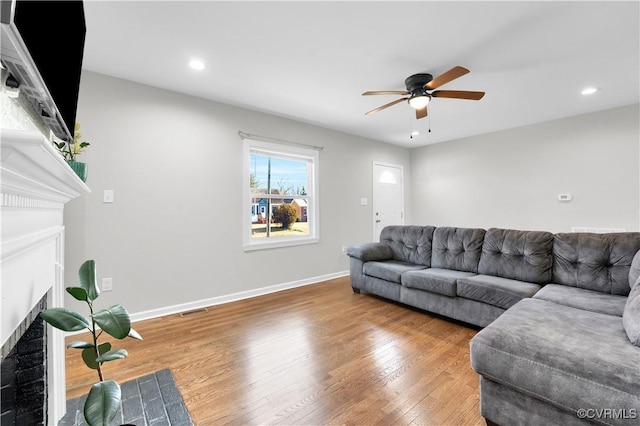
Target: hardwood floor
313 355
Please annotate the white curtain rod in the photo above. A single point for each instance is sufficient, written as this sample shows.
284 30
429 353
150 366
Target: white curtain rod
244 136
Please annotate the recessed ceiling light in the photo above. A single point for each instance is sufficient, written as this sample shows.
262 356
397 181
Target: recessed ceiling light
589 91
196 64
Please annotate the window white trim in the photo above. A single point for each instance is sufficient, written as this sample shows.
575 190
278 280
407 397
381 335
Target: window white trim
284 151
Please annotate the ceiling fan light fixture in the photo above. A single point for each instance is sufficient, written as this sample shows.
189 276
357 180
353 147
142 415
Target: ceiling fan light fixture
419 100
196 64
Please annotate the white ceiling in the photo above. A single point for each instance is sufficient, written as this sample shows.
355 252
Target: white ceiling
311 61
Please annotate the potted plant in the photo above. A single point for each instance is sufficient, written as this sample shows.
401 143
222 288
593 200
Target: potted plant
104 398
70 150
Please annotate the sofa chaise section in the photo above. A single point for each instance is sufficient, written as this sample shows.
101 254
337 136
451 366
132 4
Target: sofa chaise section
541 362
566 349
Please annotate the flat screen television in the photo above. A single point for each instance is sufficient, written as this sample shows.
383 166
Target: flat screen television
42 48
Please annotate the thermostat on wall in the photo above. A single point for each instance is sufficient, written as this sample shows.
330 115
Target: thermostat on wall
565 197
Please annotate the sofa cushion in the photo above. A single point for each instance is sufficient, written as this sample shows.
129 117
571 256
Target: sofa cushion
410 244
496 291
599 262
370 251
389 270
579 298
570 358
519 255
435 280
457 248
634 270
631 315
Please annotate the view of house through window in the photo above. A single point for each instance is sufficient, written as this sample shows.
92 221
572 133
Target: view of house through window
282 194
278 186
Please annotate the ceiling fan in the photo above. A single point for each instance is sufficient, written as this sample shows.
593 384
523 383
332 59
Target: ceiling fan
421 88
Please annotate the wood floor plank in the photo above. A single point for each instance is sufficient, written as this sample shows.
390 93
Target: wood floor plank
318 354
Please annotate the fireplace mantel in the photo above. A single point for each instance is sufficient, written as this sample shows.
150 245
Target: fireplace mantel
35 184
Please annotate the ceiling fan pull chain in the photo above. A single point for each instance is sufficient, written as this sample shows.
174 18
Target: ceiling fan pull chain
410 127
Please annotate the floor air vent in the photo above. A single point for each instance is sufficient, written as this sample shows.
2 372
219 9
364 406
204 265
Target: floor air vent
195 311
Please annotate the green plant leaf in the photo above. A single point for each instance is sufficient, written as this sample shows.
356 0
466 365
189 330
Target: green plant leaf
134 334
83 144
113 355
87 275
114 321
89 354
78 344
64 319
78 293
102 403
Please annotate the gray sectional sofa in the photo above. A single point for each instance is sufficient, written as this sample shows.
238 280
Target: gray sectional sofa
561 336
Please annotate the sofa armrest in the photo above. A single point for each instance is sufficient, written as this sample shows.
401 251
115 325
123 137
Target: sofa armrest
370 251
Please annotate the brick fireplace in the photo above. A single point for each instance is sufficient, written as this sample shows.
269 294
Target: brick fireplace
23 371
35 184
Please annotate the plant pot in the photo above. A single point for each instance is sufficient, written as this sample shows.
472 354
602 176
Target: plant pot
79 168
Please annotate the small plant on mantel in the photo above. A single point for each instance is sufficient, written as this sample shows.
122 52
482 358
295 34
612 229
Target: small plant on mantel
105 396
70 150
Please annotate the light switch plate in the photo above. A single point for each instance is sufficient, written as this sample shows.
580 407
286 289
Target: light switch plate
108 196
107 284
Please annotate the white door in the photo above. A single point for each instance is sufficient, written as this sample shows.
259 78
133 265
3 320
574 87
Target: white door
388 198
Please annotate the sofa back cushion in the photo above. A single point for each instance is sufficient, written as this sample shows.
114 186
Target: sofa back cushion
518 255
599 262
411 244
457 248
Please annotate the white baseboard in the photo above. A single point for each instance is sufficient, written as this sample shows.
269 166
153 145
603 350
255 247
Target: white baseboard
218 300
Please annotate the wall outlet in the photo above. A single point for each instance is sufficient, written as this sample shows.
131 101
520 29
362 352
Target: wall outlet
107 284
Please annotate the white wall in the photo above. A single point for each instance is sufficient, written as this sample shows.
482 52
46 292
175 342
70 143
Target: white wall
512 178
174 233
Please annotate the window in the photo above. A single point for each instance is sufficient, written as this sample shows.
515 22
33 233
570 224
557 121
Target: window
280 195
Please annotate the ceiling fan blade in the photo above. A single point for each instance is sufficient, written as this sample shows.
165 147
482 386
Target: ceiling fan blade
446 77
385 92
458 94
421 113
386 106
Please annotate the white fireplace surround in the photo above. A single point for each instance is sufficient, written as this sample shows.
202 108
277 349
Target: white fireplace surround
35 183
